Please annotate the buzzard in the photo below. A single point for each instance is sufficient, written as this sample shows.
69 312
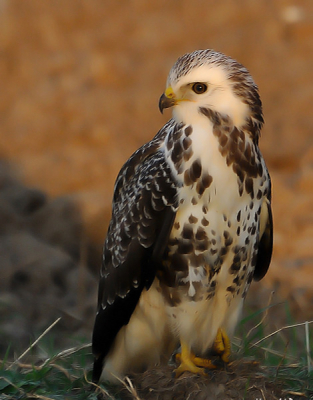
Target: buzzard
191 225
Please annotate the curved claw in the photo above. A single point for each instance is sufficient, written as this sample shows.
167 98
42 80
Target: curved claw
189 362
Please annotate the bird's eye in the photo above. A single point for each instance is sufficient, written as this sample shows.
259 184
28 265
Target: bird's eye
199 87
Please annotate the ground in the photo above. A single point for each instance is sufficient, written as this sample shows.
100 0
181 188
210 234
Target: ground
80 83
241 380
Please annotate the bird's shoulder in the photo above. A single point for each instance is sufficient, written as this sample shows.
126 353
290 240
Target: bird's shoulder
149 152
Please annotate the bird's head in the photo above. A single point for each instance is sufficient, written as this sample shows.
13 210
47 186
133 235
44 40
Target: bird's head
206 79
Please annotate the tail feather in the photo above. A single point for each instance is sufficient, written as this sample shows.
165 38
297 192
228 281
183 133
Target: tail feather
97 369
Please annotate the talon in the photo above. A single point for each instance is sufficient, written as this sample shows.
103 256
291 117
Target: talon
186 362
197 365
188 367
204 363
189 362
222 345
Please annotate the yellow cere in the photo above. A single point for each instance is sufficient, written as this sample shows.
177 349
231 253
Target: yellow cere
169 93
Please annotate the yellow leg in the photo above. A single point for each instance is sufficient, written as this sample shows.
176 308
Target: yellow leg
189 362
222 345
197 365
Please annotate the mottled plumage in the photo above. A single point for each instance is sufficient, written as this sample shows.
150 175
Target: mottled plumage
191 221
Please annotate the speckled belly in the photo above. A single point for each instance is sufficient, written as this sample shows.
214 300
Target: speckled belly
209 248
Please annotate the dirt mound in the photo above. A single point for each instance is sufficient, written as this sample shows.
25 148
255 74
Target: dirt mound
242 380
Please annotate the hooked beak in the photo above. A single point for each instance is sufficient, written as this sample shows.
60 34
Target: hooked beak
167 99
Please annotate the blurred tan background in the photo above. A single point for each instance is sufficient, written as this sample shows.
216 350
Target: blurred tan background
79 89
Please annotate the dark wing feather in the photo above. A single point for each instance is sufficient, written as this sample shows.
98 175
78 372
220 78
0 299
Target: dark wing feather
266 243
144 208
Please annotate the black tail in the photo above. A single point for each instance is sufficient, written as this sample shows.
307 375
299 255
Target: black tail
97 369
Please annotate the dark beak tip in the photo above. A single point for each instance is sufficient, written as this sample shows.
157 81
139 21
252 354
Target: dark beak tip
165 102
162 103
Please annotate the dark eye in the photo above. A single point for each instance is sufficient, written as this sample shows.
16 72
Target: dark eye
199 87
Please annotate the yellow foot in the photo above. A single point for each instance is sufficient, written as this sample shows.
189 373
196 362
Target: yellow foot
222 345
197 365
189 362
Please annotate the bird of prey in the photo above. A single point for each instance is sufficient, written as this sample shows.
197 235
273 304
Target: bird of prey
191 225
